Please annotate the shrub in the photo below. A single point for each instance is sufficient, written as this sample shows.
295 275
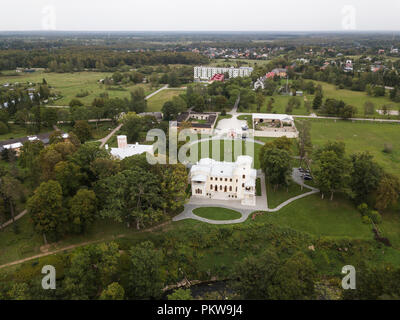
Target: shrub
366 220
375 216
223 112
3 128
363 209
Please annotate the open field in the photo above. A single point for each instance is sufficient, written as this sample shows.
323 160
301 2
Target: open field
362 136
235 62
357 99
156 102
212 213
279 105
70 84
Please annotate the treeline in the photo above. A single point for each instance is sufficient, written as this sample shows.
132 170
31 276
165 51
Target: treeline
79 59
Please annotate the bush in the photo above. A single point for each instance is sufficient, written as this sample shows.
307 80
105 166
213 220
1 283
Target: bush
3 128
375 216
366 220
363 209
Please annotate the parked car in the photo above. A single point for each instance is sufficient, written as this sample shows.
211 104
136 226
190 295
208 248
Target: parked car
307 177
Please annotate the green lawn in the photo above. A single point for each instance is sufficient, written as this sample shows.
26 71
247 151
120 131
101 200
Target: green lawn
227 150
338 218
248 118
279 106
70 84
155 103
280 195
357 99
212 213
362 136
17 131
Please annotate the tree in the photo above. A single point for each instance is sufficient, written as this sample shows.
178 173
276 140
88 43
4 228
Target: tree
317 102
276 164
49 157
82 210
11 190
266 277
388 192
19 291
145 274
138 101
49 116
270 105
260 98
46 210
75 103
114 291
180 294
82 130
365 176
173 185
133 126
199 104
132 196
29 159
104 168
91 268
330 173
304 141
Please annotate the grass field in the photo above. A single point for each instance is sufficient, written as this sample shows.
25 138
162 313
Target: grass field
357 99
17 131
155 103
227 150
235 62
212 213
70 84
337 218
362 136
279 106
280 195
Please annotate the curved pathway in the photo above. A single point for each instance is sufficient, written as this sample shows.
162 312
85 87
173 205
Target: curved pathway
245 211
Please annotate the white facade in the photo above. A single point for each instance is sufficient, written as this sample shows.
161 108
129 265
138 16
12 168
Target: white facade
225 180
206 73
125 150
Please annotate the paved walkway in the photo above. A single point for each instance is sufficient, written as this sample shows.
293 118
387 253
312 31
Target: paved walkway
104 140
155 92
245 211
17 217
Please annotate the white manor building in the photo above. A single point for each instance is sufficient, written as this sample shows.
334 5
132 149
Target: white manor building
206 73
225 180
125 150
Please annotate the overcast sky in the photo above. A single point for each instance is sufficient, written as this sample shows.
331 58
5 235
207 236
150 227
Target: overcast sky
196 15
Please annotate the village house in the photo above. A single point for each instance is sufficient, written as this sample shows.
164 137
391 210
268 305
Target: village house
213 179
126 150
198 122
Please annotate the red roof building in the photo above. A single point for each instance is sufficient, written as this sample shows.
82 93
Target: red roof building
218 77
